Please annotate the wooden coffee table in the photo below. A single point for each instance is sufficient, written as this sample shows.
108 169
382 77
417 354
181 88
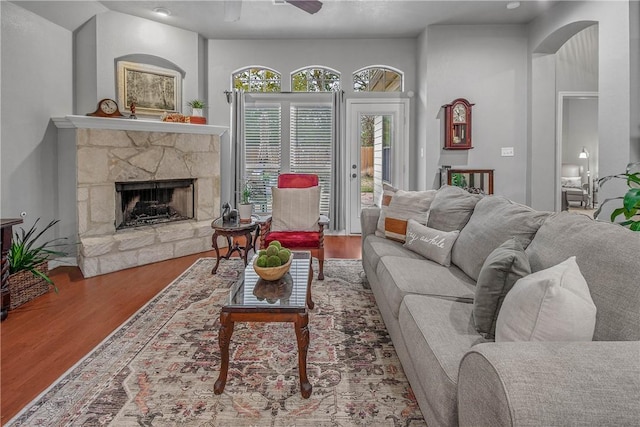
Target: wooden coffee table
252 299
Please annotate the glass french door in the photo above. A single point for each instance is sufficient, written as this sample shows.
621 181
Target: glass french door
376 132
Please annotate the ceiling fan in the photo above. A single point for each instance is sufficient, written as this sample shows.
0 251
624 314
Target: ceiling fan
232 7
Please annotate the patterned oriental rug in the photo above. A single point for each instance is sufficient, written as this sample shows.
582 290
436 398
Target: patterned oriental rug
158 368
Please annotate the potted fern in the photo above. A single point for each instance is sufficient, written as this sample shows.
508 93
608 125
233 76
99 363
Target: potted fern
630 201
28 259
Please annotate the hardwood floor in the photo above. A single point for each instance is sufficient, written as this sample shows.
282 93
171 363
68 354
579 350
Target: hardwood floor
42 339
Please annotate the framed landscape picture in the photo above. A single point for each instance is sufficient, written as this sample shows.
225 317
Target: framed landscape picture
155 90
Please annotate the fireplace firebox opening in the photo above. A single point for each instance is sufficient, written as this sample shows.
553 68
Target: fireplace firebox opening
154 202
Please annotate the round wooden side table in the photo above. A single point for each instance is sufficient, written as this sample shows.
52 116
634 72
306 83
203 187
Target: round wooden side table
231 230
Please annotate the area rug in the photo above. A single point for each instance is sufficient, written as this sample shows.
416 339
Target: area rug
159 367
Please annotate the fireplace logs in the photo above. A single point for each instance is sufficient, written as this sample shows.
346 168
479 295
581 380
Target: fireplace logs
153 202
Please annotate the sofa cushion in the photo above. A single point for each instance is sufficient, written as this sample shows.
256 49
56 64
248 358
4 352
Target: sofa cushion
500 271
404 205
495 219
451 208
607 255
548 305
402 276
375 247
432 244
438 332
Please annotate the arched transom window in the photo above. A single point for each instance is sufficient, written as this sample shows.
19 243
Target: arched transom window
377 79
315 79
257 79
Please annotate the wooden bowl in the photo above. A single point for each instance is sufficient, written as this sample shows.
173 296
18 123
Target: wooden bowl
272 273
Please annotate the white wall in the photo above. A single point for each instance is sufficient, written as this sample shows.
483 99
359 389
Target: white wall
634 53
487 65
36 85
547 34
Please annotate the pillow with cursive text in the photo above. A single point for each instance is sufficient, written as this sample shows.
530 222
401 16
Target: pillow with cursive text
430 243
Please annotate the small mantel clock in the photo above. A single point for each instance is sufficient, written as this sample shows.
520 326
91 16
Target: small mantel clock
107 108
457 125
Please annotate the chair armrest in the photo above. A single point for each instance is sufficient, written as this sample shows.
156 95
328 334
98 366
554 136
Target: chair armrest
369 220
550 384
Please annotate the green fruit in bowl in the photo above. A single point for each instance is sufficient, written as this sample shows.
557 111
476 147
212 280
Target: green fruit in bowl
262 261
276 244
272 250
284 255
262 252
274 261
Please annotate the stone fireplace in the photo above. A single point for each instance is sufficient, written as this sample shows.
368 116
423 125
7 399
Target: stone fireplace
145 191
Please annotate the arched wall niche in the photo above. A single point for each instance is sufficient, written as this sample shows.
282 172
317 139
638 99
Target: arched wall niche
142 58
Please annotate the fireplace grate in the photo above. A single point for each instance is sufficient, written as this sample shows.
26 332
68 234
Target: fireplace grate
153 202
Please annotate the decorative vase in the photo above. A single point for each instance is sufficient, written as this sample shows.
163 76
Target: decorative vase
245 210
196 112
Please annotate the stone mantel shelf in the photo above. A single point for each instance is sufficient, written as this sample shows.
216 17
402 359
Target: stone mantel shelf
89 122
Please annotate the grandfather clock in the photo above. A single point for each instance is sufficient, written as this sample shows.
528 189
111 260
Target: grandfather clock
457 125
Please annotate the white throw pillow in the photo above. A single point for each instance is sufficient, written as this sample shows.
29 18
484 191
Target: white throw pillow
295 209
430 243
548 305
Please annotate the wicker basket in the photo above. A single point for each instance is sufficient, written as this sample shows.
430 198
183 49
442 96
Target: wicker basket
25 286
272 273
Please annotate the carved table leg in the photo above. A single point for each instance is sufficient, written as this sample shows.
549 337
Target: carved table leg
248 246
224 338
302 334
214 243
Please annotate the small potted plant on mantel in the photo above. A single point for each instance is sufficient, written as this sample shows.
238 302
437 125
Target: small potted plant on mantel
28 264
245 209
197 105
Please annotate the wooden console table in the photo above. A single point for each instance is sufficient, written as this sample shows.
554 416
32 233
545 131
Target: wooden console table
7 233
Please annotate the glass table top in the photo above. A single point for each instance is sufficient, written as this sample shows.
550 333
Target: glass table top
290 291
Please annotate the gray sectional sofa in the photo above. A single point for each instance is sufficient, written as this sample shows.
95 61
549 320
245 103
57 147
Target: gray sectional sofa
459 376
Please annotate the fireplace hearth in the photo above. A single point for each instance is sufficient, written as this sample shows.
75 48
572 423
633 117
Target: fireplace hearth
153 202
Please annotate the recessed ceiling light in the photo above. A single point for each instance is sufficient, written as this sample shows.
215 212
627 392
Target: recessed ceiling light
513 5
162 11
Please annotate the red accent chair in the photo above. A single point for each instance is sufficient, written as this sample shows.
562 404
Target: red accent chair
302 240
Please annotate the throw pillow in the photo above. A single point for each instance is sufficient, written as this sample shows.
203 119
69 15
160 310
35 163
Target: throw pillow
295 209
500 271
406 205
548 305
387 193
451 208
430 243
494 220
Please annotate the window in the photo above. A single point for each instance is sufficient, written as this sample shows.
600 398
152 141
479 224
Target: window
311 145
257 79
315 79
287 134
262 152
377 79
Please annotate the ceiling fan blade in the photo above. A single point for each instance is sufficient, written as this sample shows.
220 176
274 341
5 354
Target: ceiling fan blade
309 6
232 10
